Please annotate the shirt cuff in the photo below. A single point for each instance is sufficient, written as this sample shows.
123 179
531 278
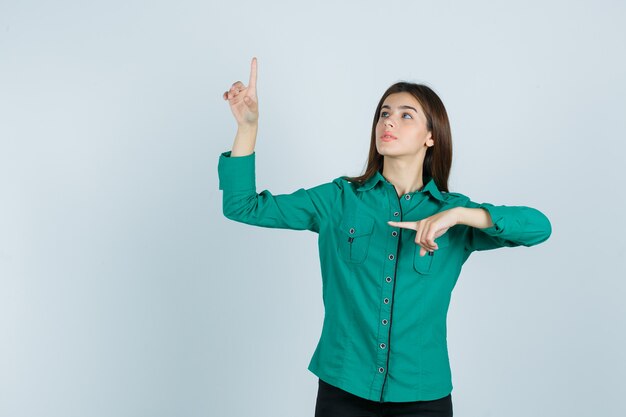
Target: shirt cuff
236 173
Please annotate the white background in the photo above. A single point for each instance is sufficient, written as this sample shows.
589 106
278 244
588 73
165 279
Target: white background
124 291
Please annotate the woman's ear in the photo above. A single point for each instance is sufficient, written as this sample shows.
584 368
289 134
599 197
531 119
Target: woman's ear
430 140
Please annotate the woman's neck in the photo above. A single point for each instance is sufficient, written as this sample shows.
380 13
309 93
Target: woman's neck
406 177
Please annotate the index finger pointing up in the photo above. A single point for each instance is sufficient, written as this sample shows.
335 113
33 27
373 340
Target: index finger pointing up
252 82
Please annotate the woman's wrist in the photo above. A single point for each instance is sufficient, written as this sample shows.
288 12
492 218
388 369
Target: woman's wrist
473 217
245 140
247 126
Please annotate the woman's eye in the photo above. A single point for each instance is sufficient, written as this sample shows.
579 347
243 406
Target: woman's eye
382 114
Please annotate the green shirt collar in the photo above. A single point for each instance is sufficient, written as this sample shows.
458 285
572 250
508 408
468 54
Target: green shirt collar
430 186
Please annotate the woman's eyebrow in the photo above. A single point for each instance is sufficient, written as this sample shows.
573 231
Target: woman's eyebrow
400 107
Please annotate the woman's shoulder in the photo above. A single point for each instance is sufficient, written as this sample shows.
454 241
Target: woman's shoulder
331 186
344 181
455 198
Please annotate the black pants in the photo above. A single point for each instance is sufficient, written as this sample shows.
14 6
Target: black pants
335 402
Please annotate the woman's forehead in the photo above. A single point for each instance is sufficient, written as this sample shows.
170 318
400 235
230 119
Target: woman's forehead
400 99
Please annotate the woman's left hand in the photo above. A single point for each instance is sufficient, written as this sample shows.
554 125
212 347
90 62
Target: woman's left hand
430 228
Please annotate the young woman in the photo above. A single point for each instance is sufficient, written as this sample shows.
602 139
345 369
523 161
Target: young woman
391 244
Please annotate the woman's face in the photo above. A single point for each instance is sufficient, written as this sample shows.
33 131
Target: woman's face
402 116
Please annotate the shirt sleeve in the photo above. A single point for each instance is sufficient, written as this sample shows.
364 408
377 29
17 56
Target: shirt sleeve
512 226
304 209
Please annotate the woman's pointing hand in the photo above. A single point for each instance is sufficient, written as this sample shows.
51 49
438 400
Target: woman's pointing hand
243 100
430 228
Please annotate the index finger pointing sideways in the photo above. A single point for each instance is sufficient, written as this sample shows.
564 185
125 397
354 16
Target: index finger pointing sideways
406 225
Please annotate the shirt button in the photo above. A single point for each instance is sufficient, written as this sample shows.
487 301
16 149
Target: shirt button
391 257
394 233
386 300
388 279
407 197
385 322
381 369
351 230
396 213
382 345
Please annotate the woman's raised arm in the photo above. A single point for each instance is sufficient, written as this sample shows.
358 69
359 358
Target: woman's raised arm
304 209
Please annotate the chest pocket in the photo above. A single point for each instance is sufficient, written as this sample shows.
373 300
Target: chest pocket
431 262
354 234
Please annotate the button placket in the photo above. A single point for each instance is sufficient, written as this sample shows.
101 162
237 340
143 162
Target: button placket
388 288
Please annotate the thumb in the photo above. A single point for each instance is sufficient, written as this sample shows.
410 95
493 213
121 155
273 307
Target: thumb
252 105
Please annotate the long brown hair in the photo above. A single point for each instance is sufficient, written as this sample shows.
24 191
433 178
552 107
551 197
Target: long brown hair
438 158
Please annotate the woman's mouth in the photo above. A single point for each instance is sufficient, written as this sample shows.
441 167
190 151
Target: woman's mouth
388 138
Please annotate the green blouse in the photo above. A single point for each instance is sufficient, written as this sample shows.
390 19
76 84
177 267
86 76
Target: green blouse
384 331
